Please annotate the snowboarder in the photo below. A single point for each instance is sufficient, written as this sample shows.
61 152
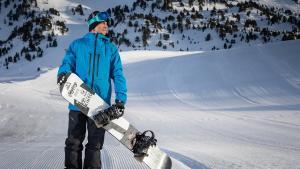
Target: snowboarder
96 61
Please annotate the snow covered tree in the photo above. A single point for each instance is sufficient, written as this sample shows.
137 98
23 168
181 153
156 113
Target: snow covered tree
79 9
191 2
167 5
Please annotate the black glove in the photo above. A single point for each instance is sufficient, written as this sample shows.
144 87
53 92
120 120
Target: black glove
116 110
120 105
61 78
105 116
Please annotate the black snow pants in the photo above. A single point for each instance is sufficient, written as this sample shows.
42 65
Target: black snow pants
78 123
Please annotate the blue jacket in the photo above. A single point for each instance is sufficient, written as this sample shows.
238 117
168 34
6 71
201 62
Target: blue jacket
96 61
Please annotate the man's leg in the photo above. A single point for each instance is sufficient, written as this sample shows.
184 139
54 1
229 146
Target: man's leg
92 148
76 135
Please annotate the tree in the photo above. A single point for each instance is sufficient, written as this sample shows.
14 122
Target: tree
79 9
208 37
126 9
54 11
28 56
187 23
159 44
167 5
49 38
145 35
225 46
54 44
136 25
61 26
130 24
191 2
169 28
200 4
166 36
250 22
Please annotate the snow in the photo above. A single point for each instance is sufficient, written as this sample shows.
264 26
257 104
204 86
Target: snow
285 4
236 108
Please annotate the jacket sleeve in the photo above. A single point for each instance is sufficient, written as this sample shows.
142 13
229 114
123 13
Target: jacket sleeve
68 63
116 73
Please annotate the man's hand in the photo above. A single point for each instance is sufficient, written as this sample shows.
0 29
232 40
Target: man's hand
113 112
120 105
61 78
116 110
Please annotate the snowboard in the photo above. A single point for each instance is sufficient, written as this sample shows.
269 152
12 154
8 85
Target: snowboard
76 92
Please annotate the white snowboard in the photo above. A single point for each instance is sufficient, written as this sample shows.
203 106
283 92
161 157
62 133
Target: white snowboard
89 103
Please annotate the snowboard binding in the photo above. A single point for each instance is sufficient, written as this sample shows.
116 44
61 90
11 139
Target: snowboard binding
105 116
142 142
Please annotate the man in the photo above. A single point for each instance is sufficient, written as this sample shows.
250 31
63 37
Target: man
96 61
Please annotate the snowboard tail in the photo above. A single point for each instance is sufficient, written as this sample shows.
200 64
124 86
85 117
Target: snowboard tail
89 103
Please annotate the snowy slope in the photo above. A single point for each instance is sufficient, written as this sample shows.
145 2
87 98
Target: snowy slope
225 109
52 57
285 4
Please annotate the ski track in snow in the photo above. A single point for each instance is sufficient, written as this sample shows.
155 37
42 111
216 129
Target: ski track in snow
40 156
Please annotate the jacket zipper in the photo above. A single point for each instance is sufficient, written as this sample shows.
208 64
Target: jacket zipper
94 60
89 69
98 64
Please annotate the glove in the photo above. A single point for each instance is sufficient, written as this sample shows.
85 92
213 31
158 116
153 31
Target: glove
119 105
61 78
103 117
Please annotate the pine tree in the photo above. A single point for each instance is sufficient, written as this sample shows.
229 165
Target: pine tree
191 2
28 56
145 35
159 44
79 9
166 36
54 44
130 24
167 5
208 37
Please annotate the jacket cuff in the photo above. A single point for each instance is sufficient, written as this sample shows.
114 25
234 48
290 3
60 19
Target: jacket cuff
121 97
